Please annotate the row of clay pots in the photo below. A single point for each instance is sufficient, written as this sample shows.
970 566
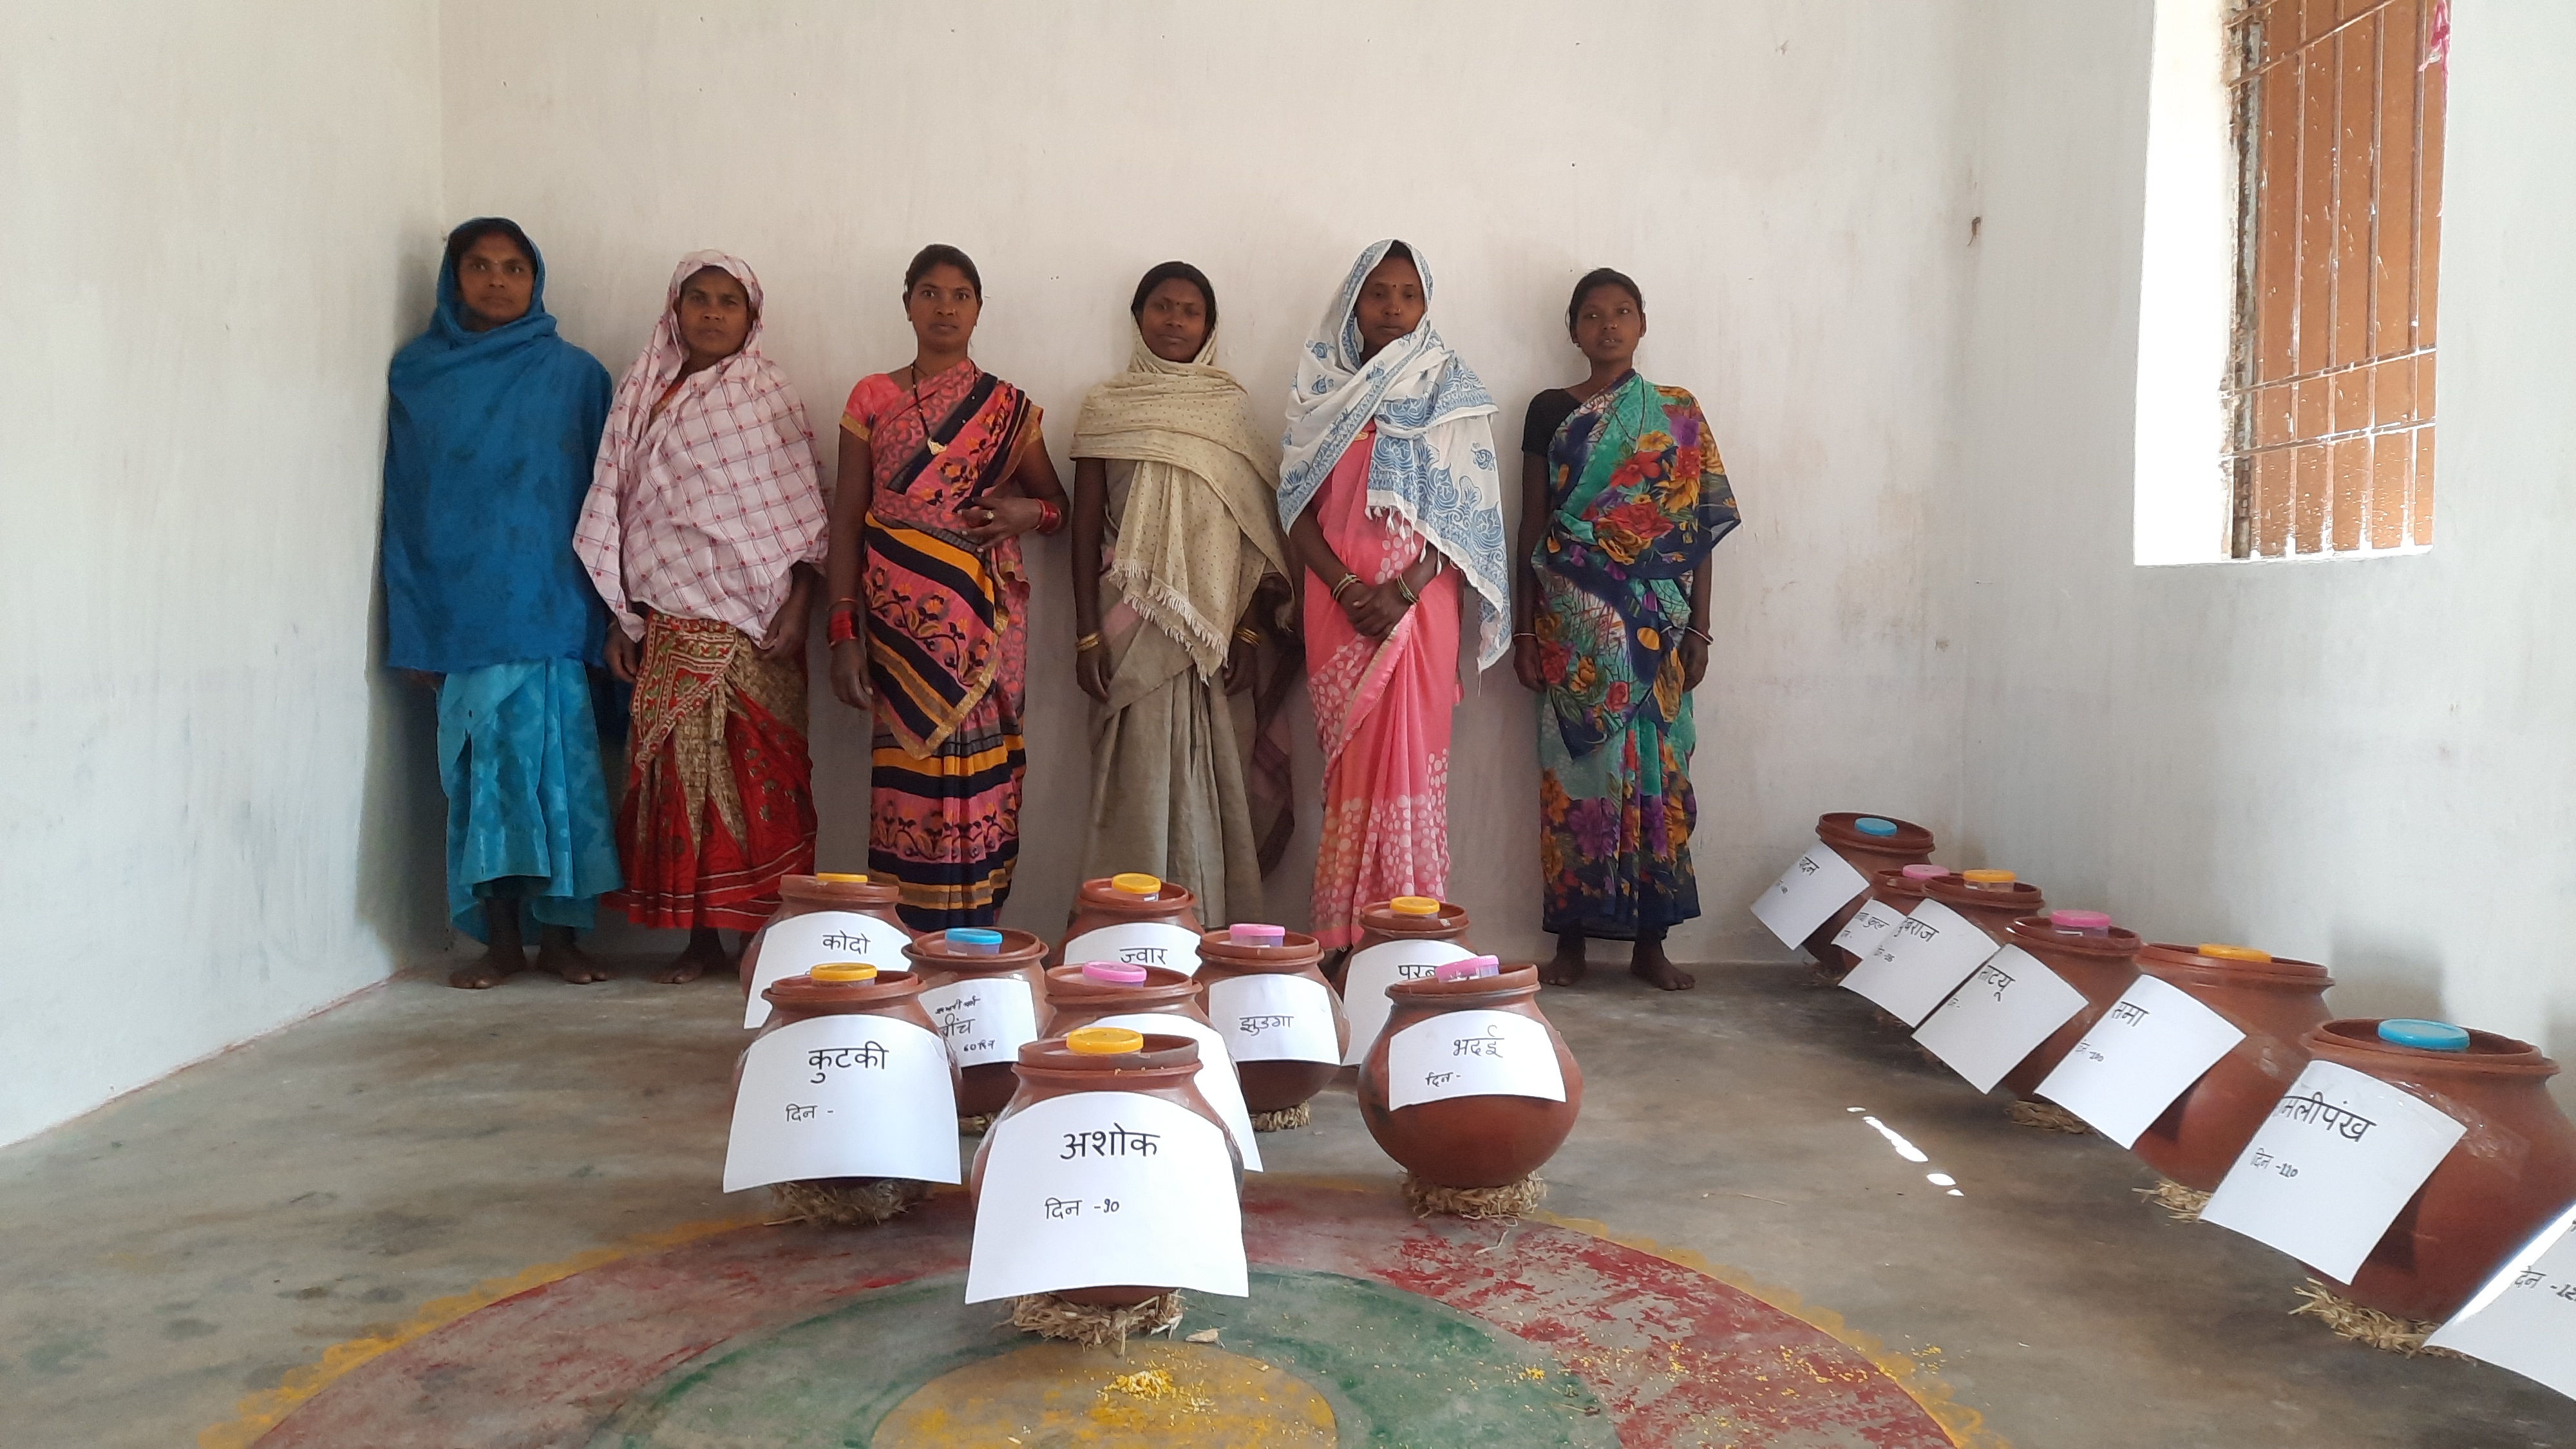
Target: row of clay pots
2513 1171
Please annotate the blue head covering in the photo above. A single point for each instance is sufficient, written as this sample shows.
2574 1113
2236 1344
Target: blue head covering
488 451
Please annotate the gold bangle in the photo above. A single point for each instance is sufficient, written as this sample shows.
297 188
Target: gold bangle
1248 636
1405 587
1086 643
1344 582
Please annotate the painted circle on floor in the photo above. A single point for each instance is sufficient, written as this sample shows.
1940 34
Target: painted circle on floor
1363 1326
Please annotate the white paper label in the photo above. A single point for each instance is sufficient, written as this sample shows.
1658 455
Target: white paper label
1806 895
1472 1054
1869 926
2153 1043
2524 1319
1998 1016
798 944
1371 972
2329 1170
1137 943
1092 1189
1216 1079
1923 960
983 1018
1274 1017
843 1096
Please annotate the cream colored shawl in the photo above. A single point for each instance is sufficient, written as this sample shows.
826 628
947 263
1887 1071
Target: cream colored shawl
1201 525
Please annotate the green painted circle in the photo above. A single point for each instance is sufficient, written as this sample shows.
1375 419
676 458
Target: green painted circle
1397 1369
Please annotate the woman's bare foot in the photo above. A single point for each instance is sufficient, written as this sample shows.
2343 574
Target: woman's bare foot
504 956
559 952
704 953
1656 969
1565 968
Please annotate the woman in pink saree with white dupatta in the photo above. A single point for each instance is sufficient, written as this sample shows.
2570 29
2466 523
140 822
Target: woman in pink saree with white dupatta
1392 499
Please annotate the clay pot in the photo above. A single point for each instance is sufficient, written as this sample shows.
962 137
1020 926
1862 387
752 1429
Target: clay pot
1275 1085
2276 1002
987 1085
1993 905
1382 923
1481 1141
2100 963
892 994
800 895
1100 905
1167 1068
2512 1172
1868 854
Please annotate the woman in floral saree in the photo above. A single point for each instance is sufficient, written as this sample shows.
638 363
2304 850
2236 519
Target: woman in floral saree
1623 497
942 470
1391 498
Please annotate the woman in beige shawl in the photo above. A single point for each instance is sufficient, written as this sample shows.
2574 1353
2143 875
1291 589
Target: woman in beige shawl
1175 504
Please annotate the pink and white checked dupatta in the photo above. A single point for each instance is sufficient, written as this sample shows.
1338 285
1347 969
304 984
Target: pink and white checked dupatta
702 510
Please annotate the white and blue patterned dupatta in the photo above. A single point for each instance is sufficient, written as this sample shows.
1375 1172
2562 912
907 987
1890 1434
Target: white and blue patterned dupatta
1434 463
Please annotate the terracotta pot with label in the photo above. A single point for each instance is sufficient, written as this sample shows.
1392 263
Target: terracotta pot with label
1130 900
2511 1173
944 958
845 991
2276 1002
1900 890
1405 918
803 895
1481 1141
1994 899
1160 1066
1249 953
2088 953
1871 843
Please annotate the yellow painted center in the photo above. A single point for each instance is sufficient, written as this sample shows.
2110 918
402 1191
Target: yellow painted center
1167 1395
1414 906
2232 953
1105 1041
844 971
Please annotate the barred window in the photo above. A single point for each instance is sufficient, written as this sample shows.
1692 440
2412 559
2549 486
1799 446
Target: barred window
2338 132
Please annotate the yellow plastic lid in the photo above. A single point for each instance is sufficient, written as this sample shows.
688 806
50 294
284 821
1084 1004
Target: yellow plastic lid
844 971
1105 1041
2232 953
1987 877
841 878
1136 883
1414 906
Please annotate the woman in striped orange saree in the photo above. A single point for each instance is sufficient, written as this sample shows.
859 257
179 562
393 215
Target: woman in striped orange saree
942 469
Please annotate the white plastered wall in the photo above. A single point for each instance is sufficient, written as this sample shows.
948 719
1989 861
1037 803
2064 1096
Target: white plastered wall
2365 763
1781 178
219 222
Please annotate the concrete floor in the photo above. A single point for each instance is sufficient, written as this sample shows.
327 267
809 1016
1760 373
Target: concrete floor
196 1242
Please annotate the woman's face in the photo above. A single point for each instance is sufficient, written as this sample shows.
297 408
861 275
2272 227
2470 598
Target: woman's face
496 281
1391 304
943 307
715 314
1174 319
1608 324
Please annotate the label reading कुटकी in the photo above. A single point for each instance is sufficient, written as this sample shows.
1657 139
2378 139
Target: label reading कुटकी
843 1096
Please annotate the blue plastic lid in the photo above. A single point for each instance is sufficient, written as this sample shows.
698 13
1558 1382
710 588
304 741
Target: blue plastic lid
2431 1036
1872 825
975 940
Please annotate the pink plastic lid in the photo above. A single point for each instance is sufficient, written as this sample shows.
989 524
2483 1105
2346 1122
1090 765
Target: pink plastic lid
2094 921
1113 972
1924 872
1246 934
1467 970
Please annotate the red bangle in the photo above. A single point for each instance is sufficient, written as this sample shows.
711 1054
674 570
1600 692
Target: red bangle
1050 517
844 626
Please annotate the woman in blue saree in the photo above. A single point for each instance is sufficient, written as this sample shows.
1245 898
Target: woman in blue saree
494 423
1623 497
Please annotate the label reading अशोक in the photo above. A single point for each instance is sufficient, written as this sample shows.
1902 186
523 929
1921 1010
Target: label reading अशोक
2003 1011
2331 1167
1137 943
983 1019
1816 884
1922 961
1372 971
1275 1017
1091 1189
2153 1043
843 1096
798 944
1472 1054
